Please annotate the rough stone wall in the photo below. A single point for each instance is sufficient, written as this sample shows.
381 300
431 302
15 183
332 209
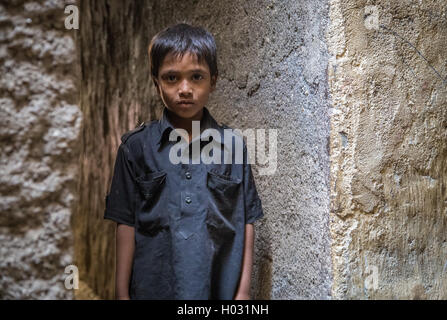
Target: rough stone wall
39 125
272 75
388 149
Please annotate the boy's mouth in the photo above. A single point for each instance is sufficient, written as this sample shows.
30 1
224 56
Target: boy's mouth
185 102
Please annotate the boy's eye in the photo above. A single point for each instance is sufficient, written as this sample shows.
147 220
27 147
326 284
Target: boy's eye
197 76
171 77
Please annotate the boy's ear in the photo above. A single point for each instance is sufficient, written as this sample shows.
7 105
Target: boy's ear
156 85
213 82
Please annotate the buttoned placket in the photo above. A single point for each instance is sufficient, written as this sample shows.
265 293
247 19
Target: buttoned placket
190 172
189 207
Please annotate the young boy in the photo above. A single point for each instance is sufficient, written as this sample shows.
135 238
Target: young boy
184 230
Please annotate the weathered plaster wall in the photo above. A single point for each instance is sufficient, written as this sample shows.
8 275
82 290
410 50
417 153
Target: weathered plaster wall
272 75
388 149
39 125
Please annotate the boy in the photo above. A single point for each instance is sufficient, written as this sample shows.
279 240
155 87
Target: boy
184 231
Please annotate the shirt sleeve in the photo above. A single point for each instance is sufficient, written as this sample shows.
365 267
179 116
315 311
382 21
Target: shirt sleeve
252 202
120 202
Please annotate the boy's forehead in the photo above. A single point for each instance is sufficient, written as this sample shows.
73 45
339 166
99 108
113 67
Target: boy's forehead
185 62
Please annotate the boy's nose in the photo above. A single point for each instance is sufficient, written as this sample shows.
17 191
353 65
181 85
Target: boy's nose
185 88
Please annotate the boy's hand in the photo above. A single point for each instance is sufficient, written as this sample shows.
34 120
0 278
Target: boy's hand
125 247
242 296
243 290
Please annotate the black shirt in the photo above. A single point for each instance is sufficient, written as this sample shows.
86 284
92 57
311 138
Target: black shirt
189 218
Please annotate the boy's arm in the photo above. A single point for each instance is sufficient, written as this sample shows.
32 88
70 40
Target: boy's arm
125 246
243 291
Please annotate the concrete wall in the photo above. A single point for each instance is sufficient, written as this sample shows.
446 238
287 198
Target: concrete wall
388 149
39 126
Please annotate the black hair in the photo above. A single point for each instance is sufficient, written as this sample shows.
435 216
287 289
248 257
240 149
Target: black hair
180 39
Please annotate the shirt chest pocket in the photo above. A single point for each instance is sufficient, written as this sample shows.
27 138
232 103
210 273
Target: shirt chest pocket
150 221
222 203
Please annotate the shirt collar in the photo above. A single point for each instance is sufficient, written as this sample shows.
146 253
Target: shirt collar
207 121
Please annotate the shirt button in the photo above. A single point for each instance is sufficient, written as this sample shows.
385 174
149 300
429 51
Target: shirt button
188 175
187 199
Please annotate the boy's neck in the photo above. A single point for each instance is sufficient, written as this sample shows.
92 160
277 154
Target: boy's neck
182 123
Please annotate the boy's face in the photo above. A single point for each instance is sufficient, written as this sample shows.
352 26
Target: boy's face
184 85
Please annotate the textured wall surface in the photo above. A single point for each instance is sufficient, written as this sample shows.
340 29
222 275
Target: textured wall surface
388 149
115 97
272 75
39 126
